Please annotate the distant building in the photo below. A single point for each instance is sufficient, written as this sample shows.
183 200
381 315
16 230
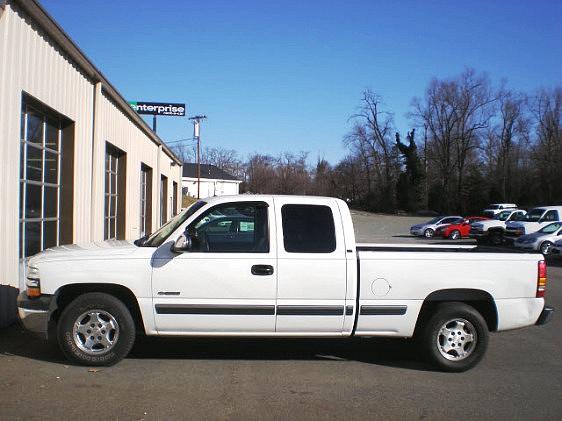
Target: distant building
214 181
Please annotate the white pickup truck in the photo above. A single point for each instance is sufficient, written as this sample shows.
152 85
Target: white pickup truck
277 266
534 220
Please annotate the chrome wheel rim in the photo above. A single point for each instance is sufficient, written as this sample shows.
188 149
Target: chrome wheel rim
429 233
545 247
456 339
95 332
455 235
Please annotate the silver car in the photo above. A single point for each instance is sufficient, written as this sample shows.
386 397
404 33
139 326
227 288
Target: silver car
541 240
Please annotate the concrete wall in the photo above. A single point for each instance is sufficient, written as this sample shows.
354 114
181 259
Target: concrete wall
32 63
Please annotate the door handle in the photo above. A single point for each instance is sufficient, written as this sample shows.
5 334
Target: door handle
262 270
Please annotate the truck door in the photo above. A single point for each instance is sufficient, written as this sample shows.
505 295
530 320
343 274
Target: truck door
227 282
311 265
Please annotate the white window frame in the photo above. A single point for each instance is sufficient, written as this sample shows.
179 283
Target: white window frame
25 144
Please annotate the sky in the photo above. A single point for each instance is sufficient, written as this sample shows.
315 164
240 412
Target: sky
287 75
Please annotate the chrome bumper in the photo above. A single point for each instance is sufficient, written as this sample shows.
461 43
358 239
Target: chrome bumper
35 312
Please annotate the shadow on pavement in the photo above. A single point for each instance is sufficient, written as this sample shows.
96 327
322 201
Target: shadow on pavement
385 352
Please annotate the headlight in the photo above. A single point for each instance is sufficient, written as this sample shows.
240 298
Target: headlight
33 282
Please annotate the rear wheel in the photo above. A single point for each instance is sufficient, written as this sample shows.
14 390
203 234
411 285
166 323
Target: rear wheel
96 329
455 338
546 246
455 235
428 233
496 238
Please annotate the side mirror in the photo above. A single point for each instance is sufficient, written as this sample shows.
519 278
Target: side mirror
182 244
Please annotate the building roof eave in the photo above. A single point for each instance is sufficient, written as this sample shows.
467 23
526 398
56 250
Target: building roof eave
65 43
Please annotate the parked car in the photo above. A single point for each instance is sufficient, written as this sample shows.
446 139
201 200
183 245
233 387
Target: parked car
458 230
301 275
533 221
492 230
494 208
542 240
428 229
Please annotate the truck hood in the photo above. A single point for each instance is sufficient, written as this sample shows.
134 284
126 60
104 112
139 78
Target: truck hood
489 223
97 250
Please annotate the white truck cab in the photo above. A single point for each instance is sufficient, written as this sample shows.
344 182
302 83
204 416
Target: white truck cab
492 230
494 208
277 266
534 220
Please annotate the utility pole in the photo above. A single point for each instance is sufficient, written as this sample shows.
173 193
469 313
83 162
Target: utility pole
425 166
196 135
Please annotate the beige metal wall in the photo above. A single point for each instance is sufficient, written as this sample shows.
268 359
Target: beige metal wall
31 62
114 127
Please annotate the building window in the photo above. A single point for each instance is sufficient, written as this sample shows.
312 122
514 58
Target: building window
40 179
145 200
163 199
175 198
114 214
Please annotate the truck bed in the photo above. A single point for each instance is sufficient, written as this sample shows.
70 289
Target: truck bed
438 248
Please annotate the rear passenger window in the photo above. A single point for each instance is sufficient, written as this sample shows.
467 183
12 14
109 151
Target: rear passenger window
308 229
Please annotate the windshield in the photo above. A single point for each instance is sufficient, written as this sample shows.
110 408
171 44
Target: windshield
157 238
534 215
551 228
493 206
502 216
435 220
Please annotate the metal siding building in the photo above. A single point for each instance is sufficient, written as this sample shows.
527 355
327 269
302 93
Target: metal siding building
61 122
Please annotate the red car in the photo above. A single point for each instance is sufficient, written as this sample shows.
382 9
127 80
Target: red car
456 231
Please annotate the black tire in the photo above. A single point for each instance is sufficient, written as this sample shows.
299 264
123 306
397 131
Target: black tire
428 233
496 238
455 235
545 248
430 336
106 306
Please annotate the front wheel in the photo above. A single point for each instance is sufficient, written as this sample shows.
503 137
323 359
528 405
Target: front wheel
428 233
455 235
96 329
545 247
455 338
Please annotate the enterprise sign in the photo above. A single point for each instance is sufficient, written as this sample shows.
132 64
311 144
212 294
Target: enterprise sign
158 108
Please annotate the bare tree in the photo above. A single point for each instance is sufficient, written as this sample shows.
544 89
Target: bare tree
506 143
372 140
455 112
547 152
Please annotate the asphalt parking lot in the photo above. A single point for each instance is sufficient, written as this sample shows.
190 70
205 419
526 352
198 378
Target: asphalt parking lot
520 377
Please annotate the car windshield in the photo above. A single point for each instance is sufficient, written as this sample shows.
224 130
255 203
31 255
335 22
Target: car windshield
493 206
434 220
157 238
534 215
550 228
502 216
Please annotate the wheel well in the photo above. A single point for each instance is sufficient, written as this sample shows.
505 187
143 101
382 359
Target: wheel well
480 300
498 230
67 293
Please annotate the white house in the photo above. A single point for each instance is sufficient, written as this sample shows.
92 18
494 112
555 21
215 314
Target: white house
214 181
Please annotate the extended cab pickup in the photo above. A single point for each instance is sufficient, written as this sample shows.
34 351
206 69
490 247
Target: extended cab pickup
277 266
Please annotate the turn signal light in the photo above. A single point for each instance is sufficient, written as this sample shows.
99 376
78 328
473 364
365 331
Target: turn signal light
33 292
541 279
